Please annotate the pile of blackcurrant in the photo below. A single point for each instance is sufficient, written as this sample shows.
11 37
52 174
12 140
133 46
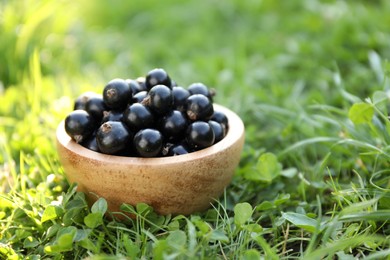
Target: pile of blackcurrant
149 116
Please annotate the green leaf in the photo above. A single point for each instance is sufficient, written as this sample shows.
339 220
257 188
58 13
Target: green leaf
177 238
361 113
159 249
143 209
89 245
253 228
99 206
64 241
132 249
268 168
380 99
92 220
251 254
282 199
82 234
203 227
73 215
301 221
52 230
219 235
30 242
242 213
51 212
127 208
265 205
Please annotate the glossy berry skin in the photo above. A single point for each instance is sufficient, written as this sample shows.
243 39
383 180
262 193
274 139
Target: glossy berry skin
200 135
95 106
173 125
218 129
199 88
199 107
135 86
221 118
138 97
113 137
178 149
159 99
180 96
79 125
157 77
117 94
138 116
91 143
173 149
112 116
81 101
148 142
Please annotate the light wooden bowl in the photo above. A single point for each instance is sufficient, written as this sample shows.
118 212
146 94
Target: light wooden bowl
181 184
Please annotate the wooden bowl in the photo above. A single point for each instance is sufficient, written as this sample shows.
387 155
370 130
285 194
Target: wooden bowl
182 184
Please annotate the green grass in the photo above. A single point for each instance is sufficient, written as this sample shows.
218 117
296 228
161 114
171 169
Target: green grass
310 79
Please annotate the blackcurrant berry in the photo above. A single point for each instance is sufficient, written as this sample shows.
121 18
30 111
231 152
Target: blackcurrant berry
117 94
141 82
199 107
173 125
112 116
81 101
95 106
138 116
172 149
79 125
221 118
91 143
138 97
200 135
218 129
159 99
200 88
113 137
180 96
148 142
135 86
157 77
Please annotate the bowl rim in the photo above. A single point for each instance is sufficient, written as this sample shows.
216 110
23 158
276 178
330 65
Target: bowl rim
235 132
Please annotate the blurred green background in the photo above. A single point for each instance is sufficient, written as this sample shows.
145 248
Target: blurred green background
236 46
288 54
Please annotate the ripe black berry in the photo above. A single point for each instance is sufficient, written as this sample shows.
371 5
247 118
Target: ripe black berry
113 137
221 118
172 149
81 101
79 125
138 116
200 135
180 96
218 129
112 116
200 88
173 125
138 97
157 77
148 142
95 106
91 144
199 107
117 94
159 99
135 86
